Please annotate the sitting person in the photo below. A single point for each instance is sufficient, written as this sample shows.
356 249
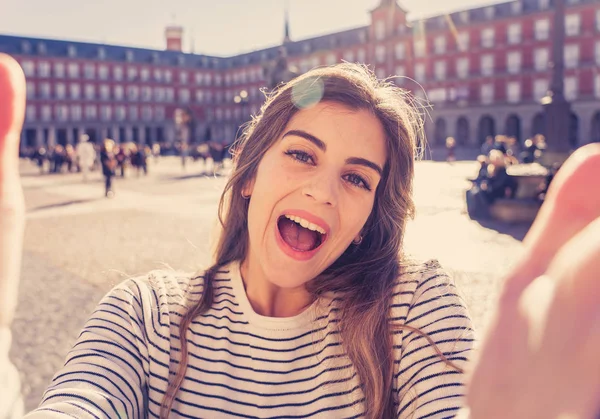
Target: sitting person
482 172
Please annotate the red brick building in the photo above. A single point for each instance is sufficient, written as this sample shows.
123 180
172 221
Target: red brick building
484 70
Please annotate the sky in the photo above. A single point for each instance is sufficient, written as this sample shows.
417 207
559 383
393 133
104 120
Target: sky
217 27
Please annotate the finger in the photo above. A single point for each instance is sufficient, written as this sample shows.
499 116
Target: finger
12 109
570 205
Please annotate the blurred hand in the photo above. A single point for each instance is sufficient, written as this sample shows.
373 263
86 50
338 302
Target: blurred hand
12 221
541 357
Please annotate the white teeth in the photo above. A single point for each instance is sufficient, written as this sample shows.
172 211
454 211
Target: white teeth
305 223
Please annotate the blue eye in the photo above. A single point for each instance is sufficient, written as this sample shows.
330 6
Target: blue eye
358 181
301 156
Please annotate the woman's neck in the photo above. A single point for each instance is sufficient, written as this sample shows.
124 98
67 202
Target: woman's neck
268 299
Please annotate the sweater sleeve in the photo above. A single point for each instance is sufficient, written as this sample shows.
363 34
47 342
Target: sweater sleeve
427 386
104 375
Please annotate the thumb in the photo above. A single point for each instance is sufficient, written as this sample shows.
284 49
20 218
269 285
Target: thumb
12 109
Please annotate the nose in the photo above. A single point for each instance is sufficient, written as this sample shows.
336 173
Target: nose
323 189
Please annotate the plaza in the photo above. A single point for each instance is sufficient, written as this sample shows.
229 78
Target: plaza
78 245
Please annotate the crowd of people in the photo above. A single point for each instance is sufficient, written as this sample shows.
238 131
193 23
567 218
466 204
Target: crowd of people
492 181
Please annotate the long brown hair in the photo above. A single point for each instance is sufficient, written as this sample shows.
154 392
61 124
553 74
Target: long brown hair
363 277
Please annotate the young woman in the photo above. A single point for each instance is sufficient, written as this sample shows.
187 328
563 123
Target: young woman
310 308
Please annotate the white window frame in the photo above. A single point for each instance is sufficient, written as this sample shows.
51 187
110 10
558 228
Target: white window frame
540 89
104 90
439 44
541 56
487 37
487 93
597 85
59 70
73 70
572 24
379 30
89 91
45 90
514 33
75 91
43 69
103 72
463 40
440 68
420 72
119 92
571 87
487 65
60 90
76 112
597 52
420 45
89 71
28 68
348 56
542 29
571 55
400 50
514 61
380 54
513 91
118 73
462 67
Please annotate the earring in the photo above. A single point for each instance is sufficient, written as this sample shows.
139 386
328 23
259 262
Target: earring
359 241
245 196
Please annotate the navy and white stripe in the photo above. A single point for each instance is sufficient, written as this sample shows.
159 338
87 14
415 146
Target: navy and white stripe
245 365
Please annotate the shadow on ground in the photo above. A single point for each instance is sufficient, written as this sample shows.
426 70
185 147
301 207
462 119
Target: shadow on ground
516 231
62 204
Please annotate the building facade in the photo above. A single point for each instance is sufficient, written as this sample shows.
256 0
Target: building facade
484 71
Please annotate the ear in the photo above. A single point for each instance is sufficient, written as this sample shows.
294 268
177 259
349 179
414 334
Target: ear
248 188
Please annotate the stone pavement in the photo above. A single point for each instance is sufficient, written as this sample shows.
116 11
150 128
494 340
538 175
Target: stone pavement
78 245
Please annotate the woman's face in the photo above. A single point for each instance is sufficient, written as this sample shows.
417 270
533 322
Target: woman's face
313 192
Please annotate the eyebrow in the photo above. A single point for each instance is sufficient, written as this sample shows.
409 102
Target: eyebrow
321 145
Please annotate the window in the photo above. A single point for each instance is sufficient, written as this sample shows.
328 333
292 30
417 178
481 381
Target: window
199 78
439 45
513 91
133 113
102 72
572 24
169 94
440 70
30 86
331 59
462 67
437 95
463 41
513 62
45 90
420 72
105 113
159 113
464 16
349 56
76 112
598 20
131 73
120 113
400 74
89 71
597 52
571 88
487 93
144 74
487 37
597 85
489 12
118 73
28 68
159 94
133 93
184 95
75 91
91 112
380 54
487 65
73 70
158 75
544 4
146 93
61 90
147 113
420 46
199 96
571 55
315 62
61 112
183 77
400 50
89 92
118 92
30 113
71 51
104 92
540 88
168 76
46 113
514 33
541 58
516 7
59 70
361 56
379 30
542 29
44 69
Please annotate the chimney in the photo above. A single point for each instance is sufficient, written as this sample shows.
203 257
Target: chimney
174 37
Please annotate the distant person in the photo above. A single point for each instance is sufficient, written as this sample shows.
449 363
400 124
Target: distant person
487 146
70 158
527 156
109 164
451 149
500 144
86 155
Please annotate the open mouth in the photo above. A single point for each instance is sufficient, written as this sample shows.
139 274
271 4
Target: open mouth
300 234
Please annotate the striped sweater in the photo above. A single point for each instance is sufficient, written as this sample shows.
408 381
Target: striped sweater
242 364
